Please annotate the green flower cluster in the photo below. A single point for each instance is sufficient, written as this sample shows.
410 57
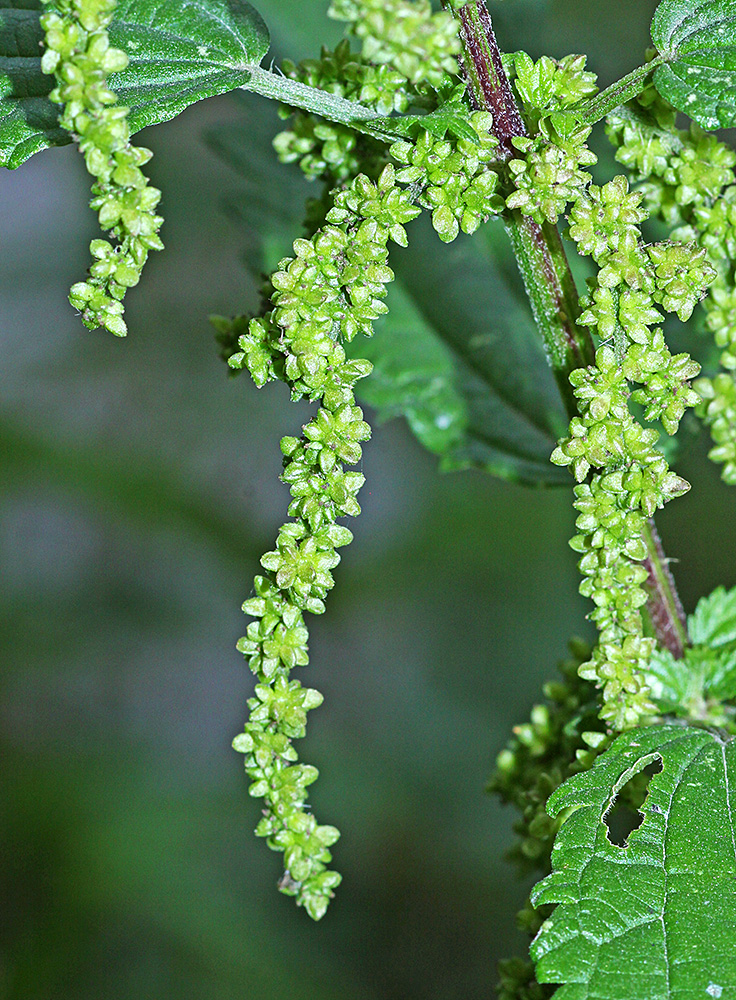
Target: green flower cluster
326 149
422 45
332 289
78 53
408 55
548 85
610 524
453 177
719 412
560 739
644 135
631 477
518 981
687 179
549 174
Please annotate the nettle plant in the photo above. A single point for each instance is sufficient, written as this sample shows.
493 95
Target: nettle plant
416 113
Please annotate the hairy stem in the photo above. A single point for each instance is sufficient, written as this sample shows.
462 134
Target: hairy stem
551 288
539 252
298 95
664 605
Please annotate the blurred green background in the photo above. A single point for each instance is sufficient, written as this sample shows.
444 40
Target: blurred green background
139 487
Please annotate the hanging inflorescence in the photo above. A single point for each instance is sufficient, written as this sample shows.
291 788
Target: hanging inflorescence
687 180
78 53
622 476
330 291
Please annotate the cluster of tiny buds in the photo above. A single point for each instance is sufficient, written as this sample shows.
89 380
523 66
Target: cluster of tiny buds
328 292
687 179
408 53
326 149
419 43
549 172
455 178
628 476
78 53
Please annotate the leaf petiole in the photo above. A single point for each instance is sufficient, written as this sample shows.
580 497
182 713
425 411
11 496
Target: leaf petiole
300 95
620 92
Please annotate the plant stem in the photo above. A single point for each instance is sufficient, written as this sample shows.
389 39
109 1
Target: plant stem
551 288
664 605
320 102
539 252
618 93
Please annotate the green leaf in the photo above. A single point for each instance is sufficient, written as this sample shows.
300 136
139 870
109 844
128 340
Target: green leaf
714 619
413 377
181 51
696 687
656 919
269 207
466 299
697 39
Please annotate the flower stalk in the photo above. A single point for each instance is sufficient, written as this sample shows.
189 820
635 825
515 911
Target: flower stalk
550 286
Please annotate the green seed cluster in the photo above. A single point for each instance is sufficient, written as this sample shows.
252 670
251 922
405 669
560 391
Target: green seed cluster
329 291
548 85
326 149
78 53
421 45
687 179
549 174
454 178
628 478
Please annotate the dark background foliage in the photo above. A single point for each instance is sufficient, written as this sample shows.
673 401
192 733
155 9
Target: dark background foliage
139 487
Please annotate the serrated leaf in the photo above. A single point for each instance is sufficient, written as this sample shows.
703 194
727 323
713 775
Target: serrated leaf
714 620
181 51
698 42
656 919
697 686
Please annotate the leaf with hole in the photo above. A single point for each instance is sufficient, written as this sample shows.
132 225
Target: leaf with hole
697 39
655 919
180 51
